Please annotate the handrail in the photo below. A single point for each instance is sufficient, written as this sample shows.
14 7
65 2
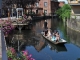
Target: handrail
4 52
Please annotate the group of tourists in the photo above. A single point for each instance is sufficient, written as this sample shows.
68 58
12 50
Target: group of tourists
54 36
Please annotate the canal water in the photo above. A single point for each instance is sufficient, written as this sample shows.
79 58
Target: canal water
40 48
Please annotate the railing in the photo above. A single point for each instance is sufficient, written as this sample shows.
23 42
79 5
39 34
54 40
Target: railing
4 52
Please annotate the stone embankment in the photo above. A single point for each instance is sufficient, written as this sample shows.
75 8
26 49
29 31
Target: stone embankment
74 24
73 30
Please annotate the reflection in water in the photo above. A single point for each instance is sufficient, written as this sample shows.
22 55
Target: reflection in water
57 48
74 37
19 40
40 45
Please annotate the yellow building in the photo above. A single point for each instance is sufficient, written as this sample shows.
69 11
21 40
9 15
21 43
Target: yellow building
75 4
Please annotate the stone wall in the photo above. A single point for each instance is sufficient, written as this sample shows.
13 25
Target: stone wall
74 23
74 37
73 30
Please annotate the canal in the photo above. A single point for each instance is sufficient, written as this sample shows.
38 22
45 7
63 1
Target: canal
40 48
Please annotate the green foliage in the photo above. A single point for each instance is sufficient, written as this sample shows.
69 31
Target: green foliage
64 12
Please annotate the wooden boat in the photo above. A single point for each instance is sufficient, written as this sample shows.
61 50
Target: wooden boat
61 41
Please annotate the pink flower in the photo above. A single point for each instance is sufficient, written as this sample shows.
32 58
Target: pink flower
12 50
25 53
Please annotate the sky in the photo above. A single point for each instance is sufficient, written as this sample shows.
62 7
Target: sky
64 0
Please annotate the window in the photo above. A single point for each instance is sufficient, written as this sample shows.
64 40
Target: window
45 4
37 4
45 11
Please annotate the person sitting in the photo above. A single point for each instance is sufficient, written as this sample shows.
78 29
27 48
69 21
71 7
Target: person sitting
53 37
49 33
57 36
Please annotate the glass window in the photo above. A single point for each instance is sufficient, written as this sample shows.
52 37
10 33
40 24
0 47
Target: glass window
45 11
37 4
45 4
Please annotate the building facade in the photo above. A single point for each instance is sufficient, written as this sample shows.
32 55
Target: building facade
75 5
46 7
39 7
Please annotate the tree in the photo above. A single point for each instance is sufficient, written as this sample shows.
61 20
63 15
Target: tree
64 12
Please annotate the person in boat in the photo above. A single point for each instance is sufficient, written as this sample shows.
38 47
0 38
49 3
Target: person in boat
45 32
49 33
45 28
56 36
45 24
53 37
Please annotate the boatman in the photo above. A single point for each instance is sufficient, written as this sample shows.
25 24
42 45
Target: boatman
45 28
45 24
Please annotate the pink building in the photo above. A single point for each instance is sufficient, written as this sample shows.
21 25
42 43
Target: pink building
48 6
